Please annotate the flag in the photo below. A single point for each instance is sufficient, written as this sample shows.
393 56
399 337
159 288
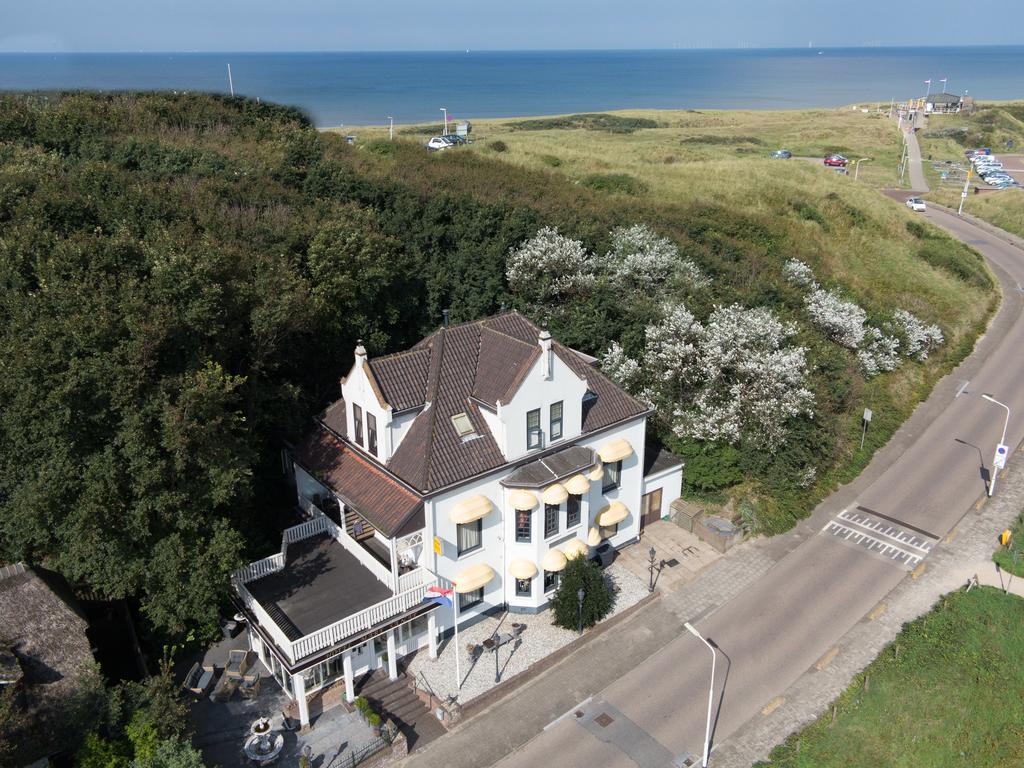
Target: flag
438 595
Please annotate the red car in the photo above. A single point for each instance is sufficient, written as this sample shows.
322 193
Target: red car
836 160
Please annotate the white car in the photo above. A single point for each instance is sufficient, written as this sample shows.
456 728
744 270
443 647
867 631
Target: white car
915 204
438 142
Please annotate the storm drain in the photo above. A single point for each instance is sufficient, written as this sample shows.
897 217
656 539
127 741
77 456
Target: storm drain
672 563
604 719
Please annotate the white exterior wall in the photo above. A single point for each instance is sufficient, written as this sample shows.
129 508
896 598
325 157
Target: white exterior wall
539 392
670 482
399 429
356 390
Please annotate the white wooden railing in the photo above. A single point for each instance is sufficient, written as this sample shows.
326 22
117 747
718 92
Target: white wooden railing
259 569
368 561
319 524
263 618
412 579
361 621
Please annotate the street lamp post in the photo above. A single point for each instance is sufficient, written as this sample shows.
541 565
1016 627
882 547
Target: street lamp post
651 568
856 167
580 594
391 128
711 691
1001 449
444 131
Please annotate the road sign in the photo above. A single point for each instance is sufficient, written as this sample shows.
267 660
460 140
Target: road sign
437 546
868 414
999 460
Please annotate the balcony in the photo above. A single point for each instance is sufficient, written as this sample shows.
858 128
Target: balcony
323 588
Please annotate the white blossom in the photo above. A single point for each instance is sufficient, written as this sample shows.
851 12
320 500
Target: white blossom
641 257
728 379
800 274
919 339
841 320
808 476
879 354
550 265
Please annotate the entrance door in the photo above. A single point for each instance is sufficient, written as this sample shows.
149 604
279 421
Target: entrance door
650 505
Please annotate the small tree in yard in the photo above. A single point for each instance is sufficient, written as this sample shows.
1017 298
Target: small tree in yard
597 598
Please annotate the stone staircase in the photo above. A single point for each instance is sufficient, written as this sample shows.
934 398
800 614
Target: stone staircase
398 701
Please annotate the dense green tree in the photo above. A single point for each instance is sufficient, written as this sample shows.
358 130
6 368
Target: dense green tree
580 573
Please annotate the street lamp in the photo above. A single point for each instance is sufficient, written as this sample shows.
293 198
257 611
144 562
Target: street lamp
444 132
856 167
651 554
391 127
580 594
1001 450
711 691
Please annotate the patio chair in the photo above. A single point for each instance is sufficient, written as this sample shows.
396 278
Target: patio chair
198 679
239 662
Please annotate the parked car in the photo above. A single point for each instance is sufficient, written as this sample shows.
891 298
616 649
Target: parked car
438 142
915 204
836 161
781 154
454 138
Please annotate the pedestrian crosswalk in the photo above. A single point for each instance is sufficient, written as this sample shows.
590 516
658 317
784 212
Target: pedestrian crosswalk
888 539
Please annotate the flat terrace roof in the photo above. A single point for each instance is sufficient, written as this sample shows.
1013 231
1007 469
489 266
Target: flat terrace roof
320 584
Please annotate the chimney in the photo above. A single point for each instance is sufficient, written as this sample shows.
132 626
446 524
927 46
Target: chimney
360 352
445 323
547 362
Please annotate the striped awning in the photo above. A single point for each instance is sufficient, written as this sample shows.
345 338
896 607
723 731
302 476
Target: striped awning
468 510
520 499
577 484
615 450
522 569
554 560
614 513
554 494
473 578
575 548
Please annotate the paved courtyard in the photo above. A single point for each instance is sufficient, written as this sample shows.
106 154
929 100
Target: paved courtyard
682 552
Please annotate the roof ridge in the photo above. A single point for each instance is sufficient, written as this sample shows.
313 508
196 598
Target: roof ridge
414 350
506 335
430 397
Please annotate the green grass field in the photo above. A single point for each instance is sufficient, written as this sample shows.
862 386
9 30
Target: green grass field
945 693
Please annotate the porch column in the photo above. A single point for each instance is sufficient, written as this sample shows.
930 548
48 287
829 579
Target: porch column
394 565
350 683
299 689
392 656
432 634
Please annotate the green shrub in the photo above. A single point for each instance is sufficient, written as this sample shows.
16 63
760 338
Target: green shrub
551 160
614 183
590 122
710 466
581 573
498 146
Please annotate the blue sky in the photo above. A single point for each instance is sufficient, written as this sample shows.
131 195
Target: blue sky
367 25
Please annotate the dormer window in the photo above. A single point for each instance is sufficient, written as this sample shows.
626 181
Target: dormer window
463 426
357 422
533 434
371 433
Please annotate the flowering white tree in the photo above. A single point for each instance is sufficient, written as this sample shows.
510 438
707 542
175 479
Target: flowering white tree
550 266
841 320
919 339
728 379
879 353
641 257
800 274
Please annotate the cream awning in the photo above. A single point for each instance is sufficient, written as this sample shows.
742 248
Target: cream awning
520 499
468 510
473 578
594 537
554 560
614 513
522 569
577 484
596 473
615 450
575 548
554 494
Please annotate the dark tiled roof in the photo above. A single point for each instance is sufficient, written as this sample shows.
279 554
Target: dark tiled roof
335 417
403 377
554 466
366 487
658 458
484 361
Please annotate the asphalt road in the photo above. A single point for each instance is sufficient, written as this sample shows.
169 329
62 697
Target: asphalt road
782 625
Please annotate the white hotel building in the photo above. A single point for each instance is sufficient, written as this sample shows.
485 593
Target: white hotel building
478 460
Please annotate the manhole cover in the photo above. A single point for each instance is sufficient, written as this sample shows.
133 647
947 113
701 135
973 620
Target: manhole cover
672 563
604 719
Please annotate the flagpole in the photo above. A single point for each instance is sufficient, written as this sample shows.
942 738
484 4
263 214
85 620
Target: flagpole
458 670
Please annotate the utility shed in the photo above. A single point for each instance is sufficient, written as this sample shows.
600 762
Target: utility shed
44 653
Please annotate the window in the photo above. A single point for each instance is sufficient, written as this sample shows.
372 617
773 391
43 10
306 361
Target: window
612 474
463 426
469 599
357 423
533 436
523 520
523 588
469 536
555 432
412 629
371 433
572 510
550 581
551 519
